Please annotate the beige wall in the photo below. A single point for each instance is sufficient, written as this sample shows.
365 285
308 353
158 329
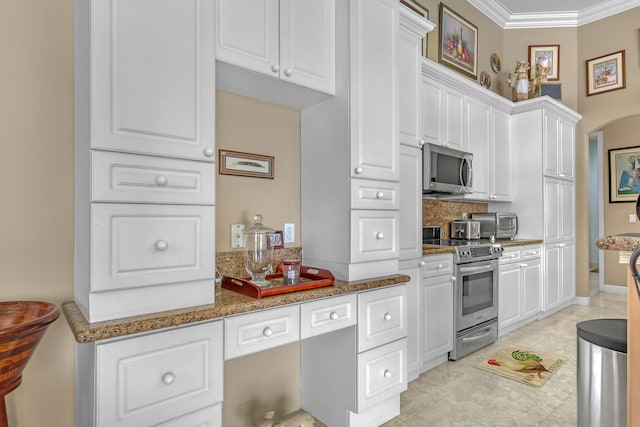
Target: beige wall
619 134
36 186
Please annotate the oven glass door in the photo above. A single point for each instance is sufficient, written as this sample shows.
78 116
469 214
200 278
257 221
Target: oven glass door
476 293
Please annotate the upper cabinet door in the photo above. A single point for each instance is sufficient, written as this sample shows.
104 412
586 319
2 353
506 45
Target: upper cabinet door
567 151
307 43
501 153
374 94
152 79
248 34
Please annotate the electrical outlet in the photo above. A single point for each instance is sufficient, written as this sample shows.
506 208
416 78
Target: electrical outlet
632 217
236 235
289 233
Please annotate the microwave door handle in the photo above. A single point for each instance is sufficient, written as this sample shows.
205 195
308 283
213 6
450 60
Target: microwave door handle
465 163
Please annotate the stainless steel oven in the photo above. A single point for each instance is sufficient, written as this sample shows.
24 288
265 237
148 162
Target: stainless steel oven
476 291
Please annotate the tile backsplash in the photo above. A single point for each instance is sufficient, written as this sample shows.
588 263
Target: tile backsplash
442 212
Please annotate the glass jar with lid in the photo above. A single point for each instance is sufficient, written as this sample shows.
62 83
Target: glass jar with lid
258 251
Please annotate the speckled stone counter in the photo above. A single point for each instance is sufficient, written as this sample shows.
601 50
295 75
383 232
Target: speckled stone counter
620 242
227 303
435 249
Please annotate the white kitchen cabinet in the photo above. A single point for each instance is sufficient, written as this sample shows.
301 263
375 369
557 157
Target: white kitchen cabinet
411 268
376 348
559 272
500 170
519 293
437 305
559 200
559 147
410 222
291 40
412 31
478 135
327 315
150 379
352 139
443 115
141 88
144 156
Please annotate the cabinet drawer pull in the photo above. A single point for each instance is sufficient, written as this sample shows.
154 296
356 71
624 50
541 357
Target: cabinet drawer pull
275 68
379 195
453 278
439 266
333 315
168 378
288 72
523 265
387 316
358 171
209 152
422 142
421 263
387 373
162 245
379 236
267 332
161 180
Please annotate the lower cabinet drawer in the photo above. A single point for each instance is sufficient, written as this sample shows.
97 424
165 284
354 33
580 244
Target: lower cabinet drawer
374 235
331 314
382 316
210 416
147 380
382 373
144 245
249 333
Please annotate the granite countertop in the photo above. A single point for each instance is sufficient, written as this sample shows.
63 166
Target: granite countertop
435 249
227 303
619 242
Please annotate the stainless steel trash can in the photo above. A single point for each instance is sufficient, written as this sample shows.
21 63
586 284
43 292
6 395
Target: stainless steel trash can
602 373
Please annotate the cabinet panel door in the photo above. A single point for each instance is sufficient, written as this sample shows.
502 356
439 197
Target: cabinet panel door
414 318
410 60
552 269
531 287
501 181
382 374
552 212
410 224
509 294
373 89
567 151
568 276
567 209
382 316
454 119
152 89
247 34
432 114
477 129
550 145
374 235
307 43
437 303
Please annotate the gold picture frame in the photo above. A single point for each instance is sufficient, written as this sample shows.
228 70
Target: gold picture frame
458 47
606 73
548 53
245 164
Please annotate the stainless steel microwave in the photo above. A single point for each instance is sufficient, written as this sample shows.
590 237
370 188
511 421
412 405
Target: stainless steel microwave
446 171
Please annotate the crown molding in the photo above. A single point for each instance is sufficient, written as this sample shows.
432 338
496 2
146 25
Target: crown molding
508 20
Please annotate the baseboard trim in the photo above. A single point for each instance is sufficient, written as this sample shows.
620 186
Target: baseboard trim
582 301
622 290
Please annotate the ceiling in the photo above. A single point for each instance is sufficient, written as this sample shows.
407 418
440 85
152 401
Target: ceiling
550 13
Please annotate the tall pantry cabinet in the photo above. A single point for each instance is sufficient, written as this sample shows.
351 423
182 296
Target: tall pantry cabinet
544 192
144 156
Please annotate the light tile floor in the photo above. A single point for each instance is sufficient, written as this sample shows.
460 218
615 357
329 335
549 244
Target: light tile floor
458 394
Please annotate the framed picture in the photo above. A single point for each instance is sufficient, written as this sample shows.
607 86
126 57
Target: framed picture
278 241
624 174
422 11
458 46
245 164
606 73
546 56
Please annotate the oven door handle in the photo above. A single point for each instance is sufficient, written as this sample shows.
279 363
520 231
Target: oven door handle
477 269
477 337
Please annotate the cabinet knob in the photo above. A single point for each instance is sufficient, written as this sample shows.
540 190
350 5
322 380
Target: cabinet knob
440 266
422 142
275 68
561 175
333 315
162 245
358 171
379 195
453 278
422 263
161 180
387 373
379 236
523 265
168 378
267 332
208 152
288 72
387 316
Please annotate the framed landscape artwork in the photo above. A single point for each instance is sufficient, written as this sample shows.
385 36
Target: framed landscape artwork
624 174
245 164
606 73
458 45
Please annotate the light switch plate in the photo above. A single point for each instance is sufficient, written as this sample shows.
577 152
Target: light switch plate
632 217
236 235
289 233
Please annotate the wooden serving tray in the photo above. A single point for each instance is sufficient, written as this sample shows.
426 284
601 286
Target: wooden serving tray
310 278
